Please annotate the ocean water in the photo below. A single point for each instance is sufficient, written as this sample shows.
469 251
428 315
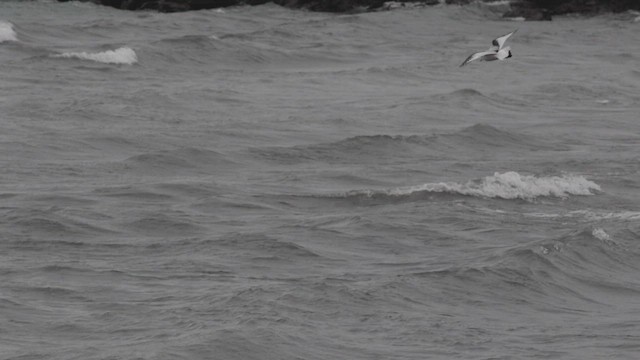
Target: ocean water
262 183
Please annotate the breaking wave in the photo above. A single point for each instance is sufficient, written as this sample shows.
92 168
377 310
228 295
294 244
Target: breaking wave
123 55
6 32
508 185
601 234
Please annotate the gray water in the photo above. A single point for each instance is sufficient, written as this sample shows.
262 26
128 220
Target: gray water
262 183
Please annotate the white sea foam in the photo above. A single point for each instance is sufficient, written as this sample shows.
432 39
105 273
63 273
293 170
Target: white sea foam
498 3
601 235
123 55
511 185
6 32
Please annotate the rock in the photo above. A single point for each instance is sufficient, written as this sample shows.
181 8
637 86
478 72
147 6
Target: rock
390 5
561 7
212 4
112 3
527 9
336 6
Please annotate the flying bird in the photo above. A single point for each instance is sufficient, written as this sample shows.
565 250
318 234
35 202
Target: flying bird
497 51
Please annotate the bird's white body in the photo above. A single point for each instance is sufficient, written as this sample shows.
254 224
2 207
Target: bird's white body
497 51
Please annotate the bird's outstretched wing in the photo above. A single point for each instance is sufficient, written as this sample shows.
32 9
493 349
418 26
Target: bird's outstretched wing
498 43
476 56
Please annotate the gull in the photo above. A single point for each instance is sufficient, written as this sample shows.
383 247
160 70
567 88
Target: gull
497 51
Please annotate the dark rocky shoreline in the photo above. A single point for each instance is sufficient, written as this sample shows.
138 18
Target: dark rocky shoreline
528 9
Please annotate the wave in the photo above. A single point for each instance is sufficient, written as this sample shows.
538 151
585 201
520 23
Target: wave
123 55
161 224
188 50
183 159
255 246
270 46
474 140
601 235
509 185
195 42
470 98
595 216
487 137
7 33
569 91
53 224
467 93
567 94
591 215
358 148
260 246
585 264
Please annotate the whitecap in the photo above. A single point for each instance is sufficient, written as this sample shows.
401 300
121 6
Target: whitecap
511 185
498 3
601 235
123 55
6 32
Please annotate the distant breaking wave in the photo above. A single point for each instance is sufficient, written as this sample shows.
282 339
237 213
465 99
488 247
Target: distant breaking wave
123 55
509 185
6 32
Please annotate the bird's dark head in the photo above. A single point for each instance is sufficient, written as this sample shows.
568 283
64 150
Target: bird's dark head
510 55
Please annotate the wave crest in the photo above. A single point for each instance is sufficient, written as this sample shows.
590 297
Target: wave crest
123 55
509 185
475 140
6 32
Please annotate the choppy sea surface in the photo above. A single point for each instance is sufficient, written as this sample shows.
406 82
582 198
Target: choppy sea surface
263 183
